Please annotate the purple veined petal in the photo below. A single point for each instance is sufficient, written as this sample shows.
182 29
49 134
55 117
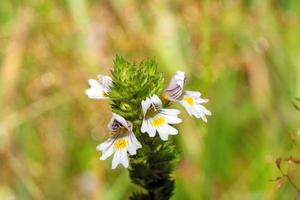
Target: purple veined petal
117 122
175 87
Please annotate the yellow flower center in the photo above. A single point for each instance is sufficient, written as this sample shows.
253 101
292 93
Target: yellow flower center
157 121
120 144
189 100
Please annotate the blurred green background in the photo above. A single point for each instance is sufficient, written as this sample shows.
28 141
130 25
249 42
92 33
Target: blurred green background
242 55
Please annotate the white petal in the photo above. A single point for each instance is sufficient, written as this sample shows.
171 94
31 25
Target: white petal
145 105
170 111
106 82
132 149
202 109
199 115
133 144
106 148
117 159
171 130
200 100
151 130
93 83
163 136
120 157
95 91
108 152
165 130
187 107
106 144
179 76
171 119
195 94
155 100
124 158
197 110
204 118
144 126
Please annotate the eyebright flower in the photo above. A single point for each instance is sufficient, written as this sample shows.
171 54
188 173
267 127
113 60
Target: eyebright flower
122 141
158 119
192 103
99 89
190 100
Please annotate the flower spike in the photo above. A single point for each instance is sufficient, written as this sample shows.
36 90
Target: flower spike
99 89
133 92
158 119
122 141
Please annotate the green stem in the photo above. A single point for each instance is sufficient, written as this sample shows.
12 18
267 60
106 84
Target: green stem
152 170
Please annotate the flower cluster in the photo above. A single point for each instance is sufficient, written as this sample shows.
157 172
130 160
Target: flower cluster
156 118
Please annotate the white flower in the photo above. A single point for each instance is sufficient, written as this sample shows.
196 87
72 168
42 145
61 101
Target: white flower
192 103
99 89
158 119
189 99
122 141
